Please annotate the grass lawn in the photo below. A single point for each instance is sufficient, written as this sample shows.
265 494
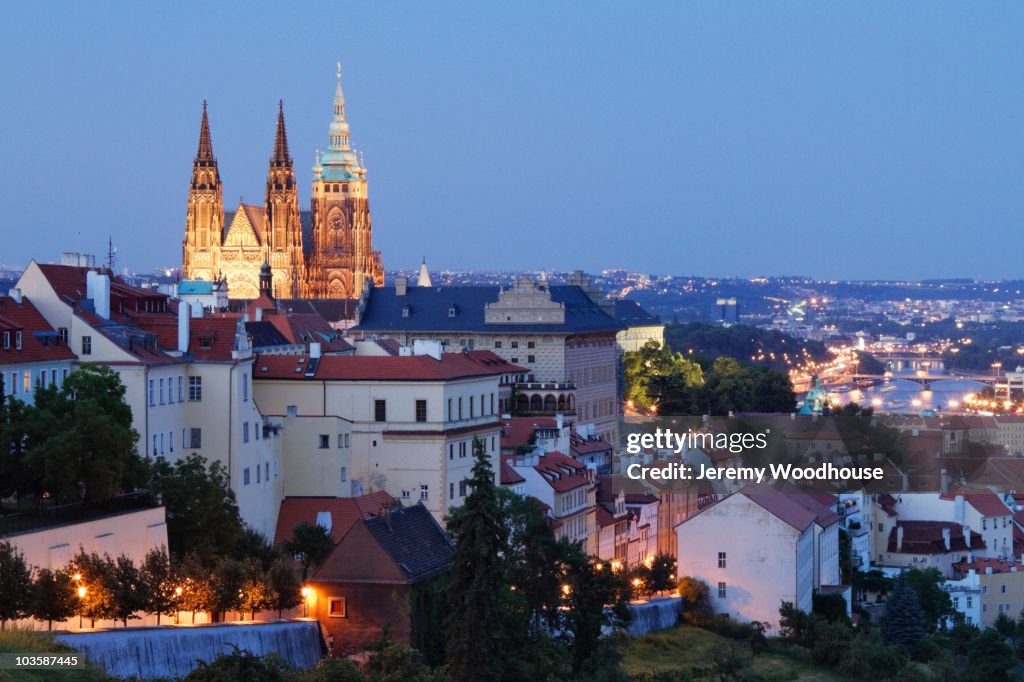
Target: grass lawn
23 641
690 653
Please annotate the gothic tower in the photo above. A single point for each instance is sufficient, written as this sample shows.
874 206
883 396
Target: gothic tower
342 253
205 217
283 230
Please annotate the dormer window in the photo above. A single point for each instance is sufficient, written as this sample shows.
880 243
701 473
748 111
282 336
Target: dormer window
206 343
406 310
451 311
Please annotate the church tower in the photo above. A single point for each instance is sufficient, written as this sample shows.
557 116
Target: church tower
342 252
283 230
205 218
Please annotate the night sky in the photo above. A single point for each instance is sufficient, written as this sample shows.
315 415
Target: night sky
837 140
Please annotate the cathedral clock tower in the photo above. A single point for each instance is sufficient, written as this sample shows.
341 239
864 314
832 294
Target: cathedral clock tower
342 252
205 217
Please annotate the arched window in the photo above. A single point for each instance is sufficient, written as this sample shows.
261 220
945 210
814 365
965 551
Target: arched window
536 403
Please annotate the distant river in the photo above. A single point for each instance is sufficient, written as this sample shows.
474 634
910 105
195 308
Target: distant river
897 395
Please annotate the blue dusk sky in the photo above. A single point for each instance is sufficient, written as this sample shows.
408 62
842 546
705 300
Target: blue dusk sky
839 140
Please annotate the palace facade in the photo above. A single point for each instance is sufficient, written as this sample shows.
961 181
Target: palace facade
325 252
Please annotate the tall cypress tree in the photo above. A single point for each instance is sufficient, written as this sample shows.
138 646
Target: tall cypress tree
475 625
904 621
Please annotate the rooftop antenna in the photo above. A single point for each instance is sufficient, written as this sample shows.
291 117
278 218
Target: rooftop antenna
111 253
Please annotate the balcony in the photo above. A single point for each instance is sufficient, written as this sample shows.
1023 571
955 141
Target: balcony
538 399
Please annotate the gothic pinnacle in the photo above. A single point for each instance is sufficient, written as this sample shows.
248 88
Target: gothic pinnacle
205 152
281 139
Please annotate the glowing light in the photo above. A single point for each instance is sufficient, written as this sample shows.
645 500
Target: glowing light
305 592
77 577
82 592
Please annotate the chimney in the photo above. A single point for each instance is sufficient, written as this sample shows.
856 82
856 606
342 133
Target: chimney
946 538
183 326
314 350
967 536
97 288
258 315
899 538
401 285
958 509
16 295
945 478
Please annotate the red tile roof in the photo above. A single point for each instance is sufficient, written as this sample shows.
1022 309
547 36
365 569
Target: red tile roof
516 431
981 564
562 472
926 537
345 511
39 341
212 338
509 476
384 368
986 503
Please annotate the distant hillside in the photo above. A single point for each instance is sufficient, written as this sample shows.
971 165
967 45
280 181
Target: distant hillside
743 342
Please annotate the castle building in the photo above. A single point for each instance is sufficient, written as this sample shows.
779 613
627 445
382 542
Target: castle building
326 252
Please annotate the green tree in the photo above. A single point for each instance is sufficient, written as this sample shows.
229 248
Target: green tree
312 543
15 584
257 593
83 442
19 475
196 586
53 596
202 514
475 627
869 657
934 601
284 583
227 583
696 598
796 625
127 588
330 669
163 587
904 620
93 576
397 663
990 657
596 598
252 544
662 573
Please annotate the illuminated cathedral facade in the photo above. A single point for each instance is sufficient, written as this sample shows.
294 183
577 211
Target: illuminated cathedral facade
326 252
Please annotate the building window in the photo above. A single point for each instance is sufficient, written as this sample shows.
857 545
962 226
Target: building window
336 607
405 494
152 397
86 345
970 602
531 358
62 332
462 488
341 440
259 478
17 340
181 393
424 491
196 438
471 408
460 408
245 476
721 590
195 389
266 470
245 387
451 491
515 361
531 344
344 474
1003 589
325 441
7 340
161 391
449 409
380 410
245 432
497 344
515 344
721 559
421 410
155 453
451 450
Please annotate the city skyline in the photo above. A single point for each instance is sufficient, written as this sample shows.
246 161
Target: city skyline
840 145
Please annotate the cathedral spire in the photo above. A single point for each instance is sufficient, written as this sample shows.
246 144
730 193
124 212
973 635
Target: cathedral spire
339 127
205 152
281 139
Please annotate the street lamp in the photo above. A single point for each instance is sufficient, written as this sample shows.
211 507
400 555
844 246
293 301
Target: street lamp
81 607
305 601
177 603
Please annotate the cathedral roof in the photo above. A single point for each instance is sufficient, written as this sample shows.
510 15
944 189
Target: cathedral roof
428 310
